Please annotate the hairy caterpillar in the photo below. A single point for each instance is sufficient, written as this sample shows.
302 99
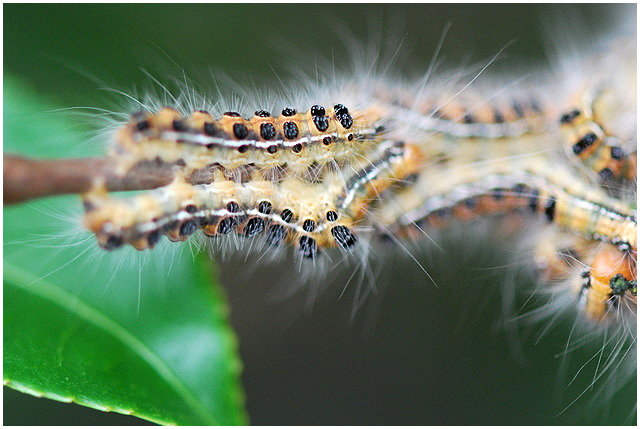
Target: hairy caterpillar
472 155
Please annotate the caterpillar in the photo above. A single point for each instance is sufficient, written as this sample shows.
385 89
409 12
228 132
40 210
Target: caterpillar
295 139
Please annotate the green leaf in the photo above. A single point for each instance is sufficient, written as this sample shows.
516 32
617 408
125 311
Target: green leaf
142 333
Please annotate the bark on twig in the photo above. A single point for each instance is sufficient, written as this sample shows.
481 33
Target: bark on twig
26 178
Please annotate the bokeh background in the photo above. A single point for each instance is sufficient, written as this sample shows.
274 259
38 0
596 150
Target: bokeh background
414 353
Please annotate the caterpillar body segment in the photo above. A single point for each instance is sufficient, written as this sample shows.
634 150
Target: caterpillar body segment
585 131
494 188
466 116
296 140
598 117
393 164
256 209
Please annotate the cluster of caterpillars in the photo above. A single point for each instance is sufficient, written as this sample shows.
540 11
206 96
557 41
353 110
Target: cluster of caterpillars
399 163
310 204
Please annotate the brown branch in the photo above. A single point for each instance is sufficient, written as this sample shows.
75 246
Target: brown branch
26 178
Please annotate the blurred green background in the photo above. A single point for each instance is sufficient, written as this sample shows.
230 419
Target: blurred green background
414 354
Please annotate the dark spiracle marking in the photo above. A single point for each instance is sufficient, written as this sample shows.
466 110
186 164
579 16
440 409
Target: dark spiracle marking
286 215
233 207
290 130
170 226
254 226
262 113
332 216
567 118
498 118
326 141
442 213
113 242
188 228
343 236
191 209
272 149
605 174
210 129
233 114
497 194
317 110
264 207
142 125
226 225
584 143
321 122
297 148
533 200
276 234
288 111
550 208
319 119
88 206
240 131
471 203
308 247
617 152
308 225
519 189
468 118
179 125
141 122
153 238
535 105
517 108
343 116
267 131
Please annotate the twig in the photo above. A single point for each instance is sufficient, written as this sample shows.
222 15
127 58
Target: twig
26 178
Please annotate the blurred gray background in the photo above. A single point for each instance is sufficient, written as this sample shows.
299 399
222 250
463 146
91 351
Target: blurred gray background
414 353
